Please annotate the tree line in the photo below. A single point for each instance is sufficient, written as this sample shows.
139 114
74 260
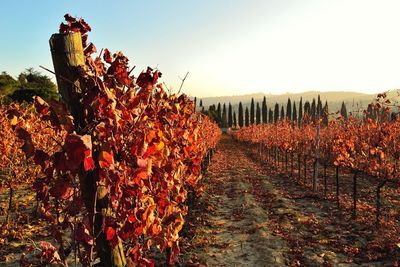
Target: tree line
259 113
29 83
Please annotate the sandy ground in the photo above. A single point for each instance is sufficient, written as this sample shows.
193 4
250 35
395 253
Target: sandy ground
249 218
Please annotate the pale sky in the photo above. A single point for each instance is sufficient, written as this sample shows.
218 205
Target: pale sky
229 47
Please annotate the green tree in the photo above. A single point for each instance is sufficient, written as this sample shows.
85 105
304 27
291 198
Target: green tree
343 111
33 83
240 115
270 116
289 109
234 125
230 119
264 111
252 111
294 113
247 117
307 109
219 115
258 114
7 84
319 106
300 117
313 112
325 114
211 112
276 113
224 121
282 113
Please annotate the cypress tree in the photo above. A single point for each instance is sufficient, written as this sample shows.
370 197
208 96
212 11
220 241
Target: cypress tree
195 103
343 111
212 113
300 117
307 109
230 119
289 109
282 114
201 102
270 116
246 117
276 113
252 111
319 106
219 115
313 110
325 114
234 120
224 117
240 115
264 111
294 115
258 114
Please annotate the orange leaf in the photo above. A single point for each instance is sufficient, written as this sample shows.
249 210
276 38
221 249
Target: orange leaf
106 159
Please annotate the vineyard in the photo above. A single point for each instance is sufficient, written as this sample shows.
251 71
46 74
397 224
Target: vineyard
352 163
111 166
122 171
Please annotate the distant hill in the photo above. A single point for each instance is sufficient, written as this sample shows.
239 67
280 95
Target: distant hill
353 100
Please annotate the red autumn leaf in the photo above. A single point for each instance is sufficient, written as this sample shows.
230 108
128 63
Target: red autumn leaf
41 158
132 218
63 28
83 234
76 147
90 49
48 254
84 39
85 25
62 189
110 233
68 18
150 151
88 163
107 56
146 79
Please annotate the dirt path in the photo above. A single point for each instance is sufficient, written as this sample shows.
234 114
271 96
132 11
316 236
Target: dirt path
249 218
236 229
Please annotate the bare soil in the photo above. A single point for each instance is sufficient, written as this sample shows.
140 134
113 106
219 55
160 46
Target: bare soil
251 216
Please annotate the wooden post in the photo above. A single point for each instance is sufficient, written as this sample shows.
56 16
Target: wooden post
67 55
299 166
337 187
355 194
378 201
325 180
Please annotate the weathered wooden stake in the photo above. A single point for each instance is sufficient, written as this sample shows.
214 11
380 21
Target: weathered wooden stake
337 187
67 54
